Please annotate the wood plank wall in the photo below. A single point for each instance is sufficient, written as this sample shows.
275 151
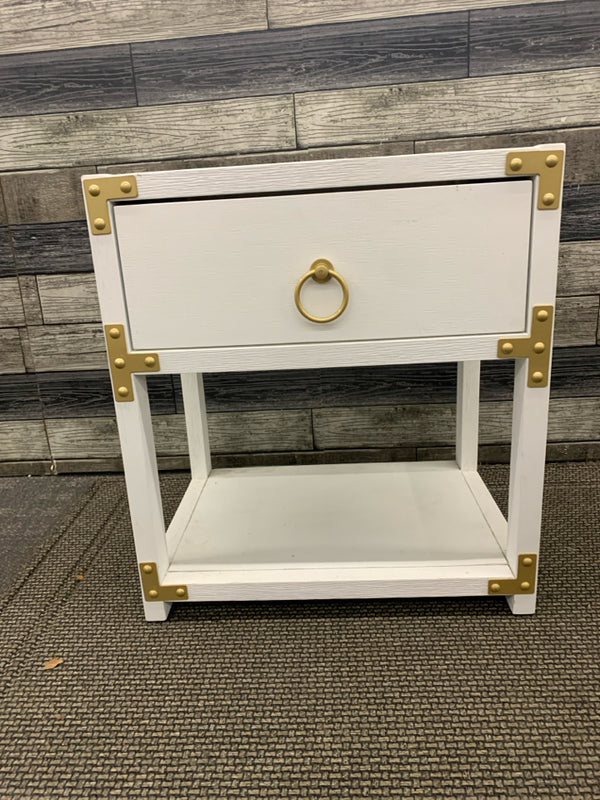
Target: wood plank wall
157 84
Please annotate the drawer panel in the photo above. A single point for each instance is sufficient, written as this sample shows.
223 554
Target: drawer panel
422 261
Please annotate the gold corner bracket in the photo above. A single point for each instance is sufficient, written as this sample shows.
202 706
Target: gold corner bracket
524 583
548 165
536 347
123 363
98 192
152 588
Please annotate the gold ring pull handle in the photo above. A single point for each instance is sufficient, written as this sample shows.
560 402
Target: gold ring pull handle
321 271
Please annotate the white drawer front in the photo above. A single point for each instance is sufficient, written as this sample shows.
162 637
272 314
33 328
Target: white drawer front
419 261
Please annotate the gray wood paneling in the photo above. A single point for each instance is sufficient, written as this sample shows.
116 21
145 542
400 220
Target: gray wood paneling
50 195
26 349
19 397
66 80
67 347
52 248
174 131
581 213
444 108
22 440
31 300
302 59
11 352
579 268
30 25
7 262
11 306
582 164
254 431
500 453
311 12
576 321
526 38
68 298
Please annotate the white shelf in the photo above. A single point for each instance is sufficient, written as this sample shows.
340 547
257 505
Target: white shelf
326 523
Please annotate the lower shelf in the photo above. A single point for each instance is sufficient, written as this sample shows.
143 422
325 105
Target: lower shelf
360 530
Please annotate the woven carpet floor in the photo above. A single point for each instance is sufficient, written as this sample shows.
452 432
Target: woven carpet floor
452 698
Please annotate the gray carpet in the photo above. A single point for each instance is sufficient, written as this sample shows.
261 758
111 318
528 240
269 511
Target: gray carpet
401 698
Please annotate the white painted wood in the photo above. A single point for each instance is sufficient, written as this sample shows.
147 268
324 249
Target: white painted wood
196 424
494 517
199 274
467 414
183 515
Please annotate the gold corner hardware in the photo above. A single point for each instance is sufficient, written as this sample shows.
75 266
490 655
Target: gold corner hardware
547 164
123 363
98 192
536 347
321 271
524 583
152 588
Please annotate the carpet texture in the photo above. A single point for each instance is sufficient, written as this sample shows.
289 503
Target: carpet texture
451 698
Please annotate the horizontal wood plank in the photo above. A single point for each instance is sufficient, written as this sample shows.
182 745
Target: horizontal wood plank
445 108
544 36
67 347
582 164
253 432
52 248
7 261
284 13
11 305
174 131
581 213
22 440
66 80
11 360
19 397
500 453
31 300
50 195
68 298
300 60
579 268
29 25
576 321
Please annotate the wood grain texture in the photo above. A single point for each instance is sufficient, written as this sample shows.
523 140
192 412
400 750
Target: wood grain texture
581 213
579 268
253 431
576 321
526 38
174 131
11 305
31 300
570 419
28 25
66 80
11 358
582 164
19 397
67 347
500 453
68 298
7 261
444 108
50 195
283 13
52 248
21 440
302 59
89 394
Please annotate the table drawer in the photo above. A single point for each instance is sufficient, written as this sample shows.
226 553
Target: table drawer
420 261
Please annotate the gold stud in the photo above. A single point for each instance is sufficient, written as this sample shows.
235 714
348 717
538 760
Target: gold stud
551 160
147 568
94 190
149 361
527 561
180 592
153 593
537 377
525 585
507 348
539 347
122 391
548 199
119 363
516 164
542 315
114 333
495 587
125 187
99 224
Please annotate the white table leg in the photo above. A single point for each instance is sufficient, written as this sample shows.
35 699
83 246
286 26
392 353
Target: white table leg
467 414
196 424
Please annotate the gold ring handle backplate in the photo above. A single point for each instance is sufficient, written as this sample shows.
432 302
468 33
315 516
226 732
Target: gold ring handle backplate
321 271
